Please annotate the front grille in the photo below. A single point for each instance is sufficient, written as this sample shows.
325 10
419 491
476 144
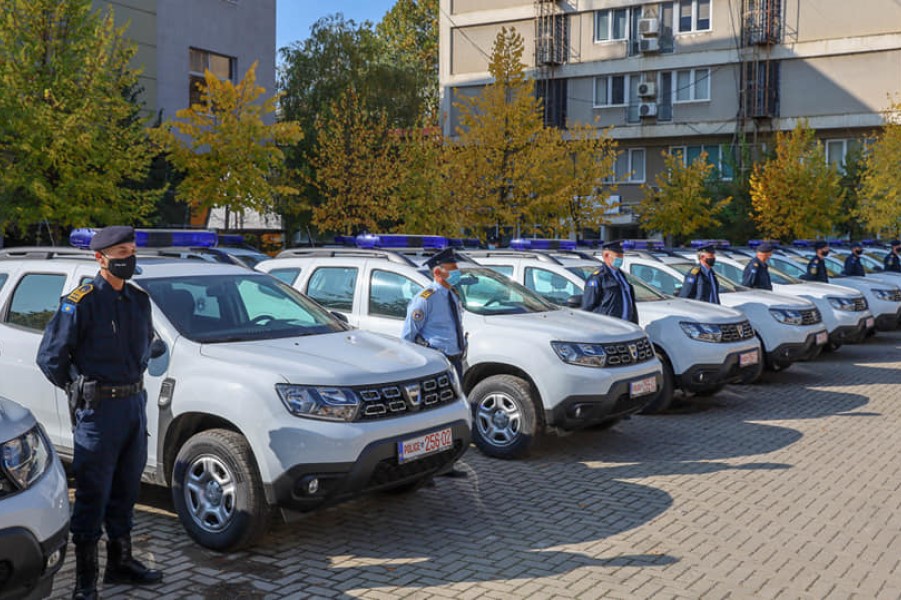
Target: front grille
734 332
810 316
388 470
860 304
395 399
628 353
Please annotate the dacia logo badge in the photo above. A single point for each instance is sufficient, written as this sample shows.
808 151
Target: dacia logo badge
414 394
633 350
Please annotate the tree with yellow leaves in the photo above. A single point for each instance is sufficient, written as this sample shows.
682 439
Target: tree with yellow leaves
682 204
879 204
230 155
796 193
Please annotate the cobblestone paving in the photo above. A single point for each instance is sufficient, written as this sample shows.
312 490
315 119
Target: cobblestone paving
787 489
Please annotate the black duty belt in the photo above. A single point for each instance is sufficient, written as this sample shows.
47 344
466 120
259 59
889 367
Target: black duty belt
105 392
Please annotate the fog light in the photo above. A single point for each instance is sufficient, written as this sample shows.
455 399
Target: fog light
53 559
313 486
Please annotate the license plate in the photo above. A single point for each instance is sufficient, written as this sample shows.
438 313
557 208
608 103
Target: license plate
424 445
748 358
643 387
822 338
871 322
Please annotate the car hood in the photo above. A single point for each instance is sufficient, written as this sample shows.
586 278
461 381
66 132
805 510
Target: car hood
864 283
566 325
766 298
694 310
15 419
816 290
348 358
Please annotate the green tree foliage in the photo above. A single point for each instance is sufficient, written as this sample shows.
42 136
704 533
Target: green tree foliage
229 155
682 204
422 193
880 200
73 151
796 193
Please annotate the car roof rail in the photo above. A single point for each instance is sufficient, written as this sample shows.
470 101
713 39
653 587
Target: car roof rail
389 255
44 252
575 254
508 253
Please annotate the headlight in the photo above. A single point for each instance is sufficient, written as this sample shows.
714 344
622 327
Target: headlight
326 403
703 332
887 295
585 355
842 303
787 317
25 458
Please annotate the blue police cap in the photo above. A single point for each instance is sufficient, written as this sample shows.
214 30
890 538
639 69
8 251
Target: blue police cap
112 235
765 247
855 244
616 247
894 243
820 244
709 248
442 258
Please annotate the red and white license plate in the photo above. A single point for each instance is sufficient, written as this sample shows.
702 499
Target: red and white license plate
822 338
871 322
748 358
424 445
642 387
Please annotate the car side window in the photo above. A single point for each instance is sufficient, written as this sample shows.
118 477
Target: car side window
551 286
289 276
729 271
35 299
390 293
664 282
502 269
333 287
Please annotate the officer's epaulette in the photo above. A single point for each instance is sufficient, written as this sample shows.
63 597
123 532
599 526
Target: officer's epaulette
596 272
80 292
696 270
427 293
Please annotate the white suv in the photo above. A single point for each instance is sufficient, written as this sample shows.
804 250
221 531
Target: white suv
702 346
34 505
258 398
530 366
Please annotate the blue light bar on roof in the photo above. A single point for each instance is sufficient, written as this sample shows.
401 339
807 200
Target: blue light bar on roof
230 239
81 238
755 243
714 243
157 238
464 242
346 240
643 244
874 242
838 243
542 244
589 243
371 240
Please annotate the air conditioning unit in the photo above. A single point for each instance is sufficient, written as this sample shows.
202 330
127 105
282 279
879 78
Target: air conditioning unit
647 89
649 46
649 27
647 109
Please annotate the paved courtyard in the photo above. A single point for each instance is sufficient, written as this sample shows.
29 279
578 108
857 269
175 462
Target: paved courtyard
786 489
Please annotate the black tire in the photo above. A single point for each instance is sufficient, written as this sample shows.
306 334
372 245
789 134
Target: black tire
832 346
235 515
505 422
664 397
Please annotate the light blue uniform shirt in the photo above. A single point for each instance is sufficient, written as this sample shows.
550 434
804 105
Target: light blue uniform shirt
429 317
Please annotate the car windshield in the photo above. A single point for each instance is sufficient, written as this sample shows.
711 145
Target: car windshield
232 308
643 292
777 275
726 285
487 292
247 257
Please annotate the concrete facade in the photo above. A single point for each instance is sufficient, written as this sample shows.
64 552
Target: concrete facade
740 68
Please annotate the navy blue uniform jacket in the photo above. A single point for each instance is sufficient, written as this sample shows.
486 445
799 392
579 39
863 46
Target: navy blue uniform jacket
892 262
757 275
697 286
605 295
853 266
816 270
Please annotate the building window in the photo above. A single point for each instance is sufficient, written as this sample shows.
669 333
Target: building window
720 156
629 167
201 61
611 90
610 25
692 85
839 151
693 15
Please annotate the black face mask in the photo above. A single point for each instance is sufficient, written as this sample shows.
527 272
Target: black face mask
710 261
123 268
858 252
825 253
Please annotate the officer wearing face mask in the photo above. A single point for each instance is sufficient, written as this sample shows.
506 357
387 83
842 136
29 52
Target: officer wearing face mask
100 336
757 273
892 260
816 268
607 292
853 266
701 282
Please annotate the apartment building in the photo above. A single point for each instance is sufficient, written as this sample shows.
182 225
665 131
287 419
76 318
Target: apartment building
687 75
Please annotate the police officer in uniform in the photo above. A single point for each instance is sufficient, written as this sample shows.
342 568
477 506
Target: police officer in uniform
102 332
853 267
757 273
701 282
816 268
892 259
607 292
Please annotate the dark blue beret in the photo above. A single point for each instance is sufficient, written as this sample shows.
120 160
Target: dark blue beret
765 247
820 244
616 247
112 235
710 248
855 245
442 258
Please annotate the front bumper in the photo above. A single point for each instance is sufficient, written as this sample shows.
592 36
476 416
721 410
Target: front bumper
785 354
578 411
704 377
888 321
376 468
850 334
28 566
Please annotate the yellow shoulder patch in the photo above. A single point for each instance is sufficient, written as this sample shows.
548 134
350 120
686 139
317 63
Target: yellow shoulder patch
80 292
696 270
427 293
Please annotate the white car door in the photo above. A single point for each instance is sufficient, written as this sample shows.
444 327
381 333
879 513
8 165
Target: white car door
385 295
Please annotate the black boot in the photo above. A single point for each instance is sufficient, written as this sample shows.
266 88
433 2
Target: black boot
85 571
122 568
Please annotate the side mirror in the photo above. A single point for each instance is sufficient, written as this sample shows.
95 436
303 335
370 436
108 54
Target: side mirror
341 317
157 348
574 301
